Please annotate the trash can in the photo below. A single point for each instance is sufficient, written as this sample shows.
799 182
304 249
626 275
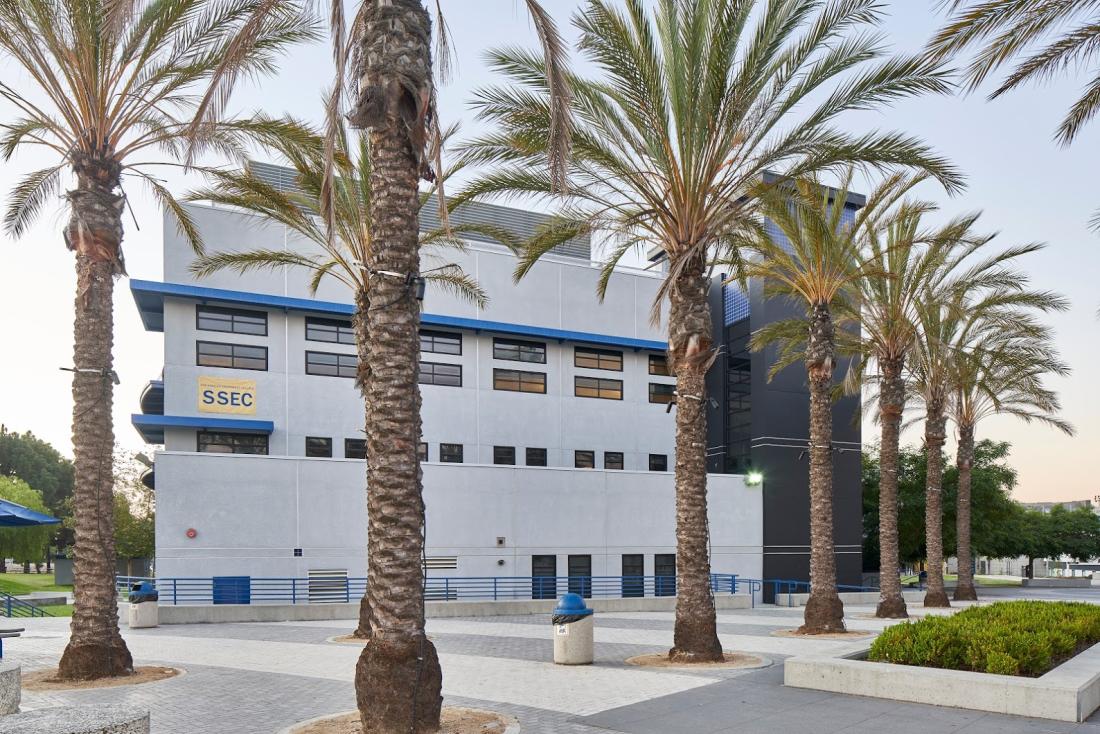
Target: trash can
573 628
144 599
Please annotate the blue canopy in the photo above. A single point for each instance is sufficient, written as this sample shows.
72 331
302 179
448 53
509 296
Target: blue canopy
13 515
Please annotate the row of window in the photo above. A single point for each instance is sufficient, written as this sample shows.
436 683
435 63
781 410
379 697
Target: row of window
223 442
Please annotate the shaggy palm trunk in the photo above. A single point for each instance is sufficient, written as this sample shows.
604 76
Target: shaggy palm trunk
935 433
824 610
891 402
695 635
398 678
96 648
362 339
965 590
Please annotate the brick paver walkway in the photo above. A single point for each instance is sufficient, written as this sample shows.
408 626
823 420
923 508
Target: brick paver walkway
261 678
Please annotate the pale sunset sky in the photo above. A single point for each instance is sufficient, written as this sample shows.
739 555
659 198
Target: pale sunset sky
1028 187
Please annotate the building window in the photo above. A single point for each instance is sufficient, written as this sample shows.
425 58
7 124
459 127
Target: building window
536 457
658 365
519 381
584 459
440 342
658 462
519 351
612 459
235 356
422 451
598 359
318 447
327 364
436 373
334 331
231 320
504 454
450 453
232 443
597 387
355 448
661 393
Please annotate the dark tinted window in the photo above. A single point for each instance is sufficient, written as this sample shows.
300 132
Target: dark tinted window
504 454
658 364
536 457
232 443
335 331
612 459
660 393
519 381
519 351
597 387
231 320
584 459
435 373
355 448
450 453
318 447
440 342
327 364
658 462
235 356
598 359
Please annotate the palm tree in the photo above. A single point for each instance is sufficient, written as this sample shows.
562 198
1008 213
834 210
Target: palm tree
692 107
110 87
342 257
999 370
1043 38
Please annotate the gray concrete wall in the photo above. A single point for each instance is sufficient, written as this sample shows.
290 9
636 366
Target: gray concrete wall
250 513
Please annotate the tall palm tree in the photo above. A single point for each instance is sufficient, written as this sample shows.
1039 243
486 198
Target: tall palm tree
341 257
818 262
1042 39
1000 370
692 105
111 88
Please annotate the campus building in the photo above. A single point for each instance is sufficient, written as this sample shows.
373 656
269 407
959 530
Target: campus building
548 442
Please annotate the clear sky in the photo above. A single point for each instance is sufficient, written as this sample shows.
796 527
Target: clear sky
1029 189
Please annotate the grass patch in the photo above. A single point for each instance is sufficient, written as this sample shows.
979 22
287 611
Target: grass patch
25 583
1025 638
58 610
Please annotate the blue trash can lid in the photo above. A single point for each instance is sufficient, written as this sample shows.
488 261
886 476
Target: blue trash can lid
572 604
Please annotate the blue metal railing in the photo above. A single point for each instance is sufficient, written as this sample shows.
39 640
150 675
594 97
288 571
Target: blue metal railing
267 590
794 586
12 607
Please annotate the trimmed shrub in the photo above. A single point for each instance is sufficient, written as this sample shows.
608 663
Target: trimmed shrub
1025 638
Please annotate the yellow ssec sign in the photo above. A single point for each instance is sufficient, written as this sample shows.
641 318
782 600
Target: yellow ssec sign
221 395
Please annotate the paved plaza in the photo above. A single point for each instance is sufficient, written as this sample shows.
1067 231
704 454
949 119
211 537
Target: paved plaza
260 678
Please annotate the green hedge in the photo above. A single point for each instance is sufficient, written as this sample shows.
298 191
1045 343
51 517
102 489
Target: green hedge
1009 638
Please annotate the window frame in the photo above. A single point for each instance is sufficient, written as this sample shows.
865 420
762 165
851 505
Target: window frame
339 356
661 359
434 334
232 313
577 453
622 460
502 452
671 393
339 324
233 346
422 451
443 447
519 381
527 456
325 444
599 355
432 373
662 457
520 344
199 435
599 387
347 443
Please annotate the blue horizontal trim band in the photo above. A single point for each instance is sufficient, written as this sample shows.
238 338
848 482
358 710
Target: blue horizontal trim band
149 296
151 427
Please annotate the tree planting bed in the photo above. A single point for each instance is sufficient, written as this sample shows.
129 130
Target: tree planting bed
1028 658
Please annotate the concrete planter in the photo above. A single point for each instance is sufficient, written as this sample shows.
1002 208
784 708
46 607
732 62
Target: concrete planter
1069 582
848 597
85 719
1070 692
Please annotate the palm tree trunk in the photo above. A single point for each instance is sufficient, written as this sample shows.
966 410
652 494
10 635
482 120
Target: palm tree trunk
96 648
935 433
965 590
891 402
362 339
695 635
398 678
824 610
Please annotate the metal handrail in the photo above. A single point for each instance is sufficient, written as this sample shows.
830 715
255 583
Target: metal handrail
12 607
